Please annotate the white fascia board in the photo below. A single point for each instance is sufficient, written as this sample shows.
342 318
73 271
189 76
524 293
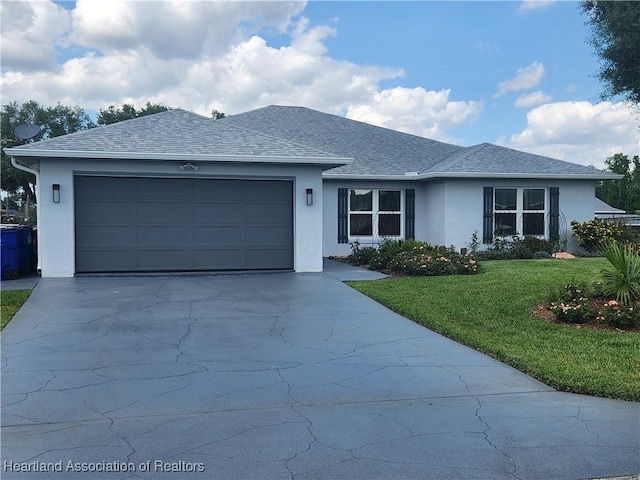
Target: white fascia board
351 176
544 176
187 157
438 175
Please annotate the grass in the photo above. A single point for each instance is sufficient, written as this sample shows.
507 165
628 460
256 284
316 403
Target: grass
492 312
10 303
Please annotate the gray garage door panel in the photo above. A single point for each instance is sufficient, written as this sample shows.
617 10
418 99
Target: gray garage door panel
154 224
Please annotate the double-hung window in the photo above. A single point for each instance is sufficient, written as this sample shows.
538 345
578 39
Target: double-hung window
375 213
520 211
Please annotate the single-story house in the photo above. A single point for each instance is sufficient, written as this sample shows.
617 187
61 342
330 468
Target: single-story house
279 188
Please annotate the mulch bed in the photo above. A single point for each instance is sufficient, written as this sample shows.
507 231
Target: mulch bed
542 312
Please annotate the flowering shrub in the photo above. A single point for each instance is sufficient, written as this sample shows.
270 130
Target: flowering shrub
597 232
424 260
618 315
572 304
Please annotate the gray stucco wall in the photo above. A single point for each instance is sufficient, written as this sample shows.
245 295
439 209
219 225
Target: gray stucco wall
464 205
330 243
448 211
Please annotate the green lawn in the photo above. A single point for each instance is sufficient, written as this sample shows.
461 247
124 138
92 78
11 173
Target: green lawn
491 312
10 303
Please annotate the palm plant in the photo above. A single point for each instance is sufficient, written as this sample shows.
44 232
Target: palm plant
623 280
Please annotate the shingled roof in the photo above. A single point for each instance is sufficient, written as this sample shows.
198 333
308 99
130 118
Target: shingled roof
489 158
375 150
173 134
380 151
280 134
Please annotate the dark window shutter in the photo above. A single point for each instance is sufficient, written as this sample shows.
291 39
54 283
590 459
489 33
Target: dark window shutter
410 213
554 214
487 222
343 215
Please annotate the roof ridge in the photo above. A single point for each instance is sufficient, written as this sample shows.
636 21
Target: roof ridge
115 124
455 158
344 118
281 139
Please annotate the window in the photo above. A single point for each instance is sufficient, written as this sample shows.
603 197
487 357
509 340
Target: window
375 213
520 211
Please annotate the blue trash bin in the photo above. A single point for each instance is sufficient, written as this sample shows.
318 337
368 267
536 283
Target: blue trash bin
25 251
10 252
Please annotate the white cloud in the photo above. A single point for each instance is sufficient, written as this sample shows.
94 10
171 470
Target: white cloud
176 28
527 6
415 110
580 132
532 99
30 32
249 74
208 55
526 78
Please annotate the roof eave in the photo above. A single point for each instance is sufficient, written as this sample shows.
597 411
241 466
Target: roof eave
325 162
438 175
544 176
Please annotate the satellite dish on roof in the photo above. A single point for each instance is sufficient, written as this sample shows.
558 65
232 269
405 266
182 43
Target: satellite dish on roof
24 132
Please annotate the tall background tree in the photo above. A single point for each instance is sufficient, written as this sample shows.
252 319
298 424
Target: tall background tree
624 193
53 121
615 34
127 111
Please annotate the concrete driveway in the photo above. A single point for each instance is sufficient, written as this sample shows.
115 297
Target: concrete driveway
277 376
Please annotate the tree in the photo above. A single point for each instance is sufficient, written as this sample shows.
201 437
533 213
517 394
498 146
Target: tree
216 114
616 37
53 121
113 114
623 193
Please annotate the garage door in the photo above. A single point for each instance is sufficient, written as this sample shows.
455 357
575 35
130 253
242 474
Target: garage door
156 224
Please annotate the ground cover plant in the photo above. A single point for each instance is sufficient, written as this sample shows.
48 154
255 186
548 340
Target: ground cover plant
493 313
10 303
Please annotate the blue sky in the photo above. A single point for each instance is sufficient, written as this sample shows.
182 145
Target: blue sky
519 74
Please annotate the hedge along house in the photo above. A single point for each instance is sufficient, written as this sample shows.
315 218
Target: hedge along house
279 188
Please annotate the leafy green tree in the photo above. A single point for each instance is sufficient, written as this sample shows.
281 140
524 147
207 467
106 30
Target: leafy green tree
113 114
216 114
623 193
53 121
615 28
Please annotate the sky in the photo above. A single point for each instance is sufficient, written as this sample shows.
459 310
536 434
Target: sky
517 74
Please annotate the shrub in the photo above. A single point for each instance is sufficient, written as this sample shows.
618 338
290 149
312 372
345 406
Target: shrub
621 316
363 255
592 235
623 280
530 247
517 248
572 305
389 249
427 260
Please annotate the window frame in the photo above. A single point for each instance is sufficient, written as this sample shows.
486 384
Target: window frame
375 213
520 212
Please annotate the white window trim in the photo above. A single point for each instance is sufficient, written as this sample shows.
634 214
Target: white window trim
520 211
375 238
